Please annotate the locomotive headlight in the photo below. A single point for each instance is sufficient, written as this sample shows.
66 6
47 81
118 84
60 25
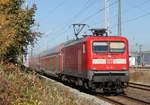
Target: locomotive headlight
94 68
124 68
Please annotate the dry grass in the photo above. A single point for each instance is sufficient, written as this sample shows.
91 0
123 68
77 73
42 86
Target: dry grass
21 88
142 76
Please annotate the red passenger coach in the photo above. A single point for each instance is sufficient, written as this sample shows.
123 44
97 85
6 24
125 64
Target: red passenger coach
96 62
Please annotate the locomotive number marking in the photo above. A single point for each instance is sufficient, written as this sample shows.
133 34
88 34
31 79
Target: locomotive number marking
109 61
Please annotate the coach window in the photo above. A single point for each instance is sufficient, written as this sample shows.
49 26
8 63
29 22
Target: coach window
118 47
100 47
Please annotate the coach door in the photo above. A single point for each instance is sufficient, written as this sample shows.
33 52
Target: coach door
79 61
57 63
62 62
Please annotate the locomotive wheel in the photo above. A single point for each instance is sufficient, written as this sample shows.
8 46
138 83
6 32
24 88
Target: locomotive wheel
79 82
119 91
86 85
76 83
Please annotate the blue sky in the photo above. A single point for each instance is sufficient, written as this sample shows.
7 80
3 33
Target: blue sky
56 16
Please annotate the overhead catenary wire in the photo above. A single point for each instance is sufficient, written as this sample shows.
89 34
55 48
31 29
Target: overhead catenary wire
139 5
94 14
67 24
97 12
57 6
136 18
81 11
84 9
87 18
140 16
61 30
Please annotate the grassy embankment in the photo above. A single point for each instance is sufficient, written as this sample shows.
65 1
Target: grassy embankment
20 88
142 76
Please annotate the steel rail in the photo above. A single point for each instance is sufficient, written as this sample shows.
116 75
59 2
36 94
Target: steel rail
110 100
144 68
139 86
135 99
114 101
148 86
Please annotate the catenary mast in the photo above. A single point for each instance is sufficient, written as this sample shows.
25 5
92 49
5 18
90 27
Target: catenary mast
107 16
119 19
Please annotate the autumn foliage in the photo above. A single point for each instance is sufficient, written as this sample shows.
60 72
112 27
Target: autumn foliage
16 29
4 1
18 87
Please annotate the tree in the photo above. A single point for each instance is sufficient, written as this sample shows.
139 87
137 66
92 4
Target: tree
16 29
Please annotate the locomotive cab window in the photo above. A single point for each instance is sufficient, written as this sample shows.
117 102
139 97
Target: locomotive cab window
118 47
104 47
100 47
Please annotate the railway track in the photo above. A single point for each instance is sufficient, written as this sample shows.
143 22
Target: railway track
141 68
113 101
139 86
123 100
119 100
126 99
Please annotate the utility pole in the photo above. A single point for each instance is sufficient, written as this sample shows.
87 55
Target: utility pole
119 19
107 16
140 55
31 51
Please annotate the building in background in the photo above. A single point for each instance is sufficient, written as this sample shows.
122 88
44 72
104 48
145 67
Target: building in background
141 58
146 58
132 61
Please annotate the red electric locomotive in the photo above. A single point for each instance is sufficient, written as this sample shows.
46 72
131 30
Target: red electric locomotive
96 62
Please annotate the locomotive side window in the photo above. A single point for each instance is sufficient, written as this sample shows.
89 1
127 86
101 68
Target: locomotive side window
118 47
100 47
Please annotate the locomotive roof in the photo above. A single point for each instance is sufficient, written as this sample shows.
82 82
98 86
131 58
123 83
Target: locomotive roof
88 37
55 49
58 48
